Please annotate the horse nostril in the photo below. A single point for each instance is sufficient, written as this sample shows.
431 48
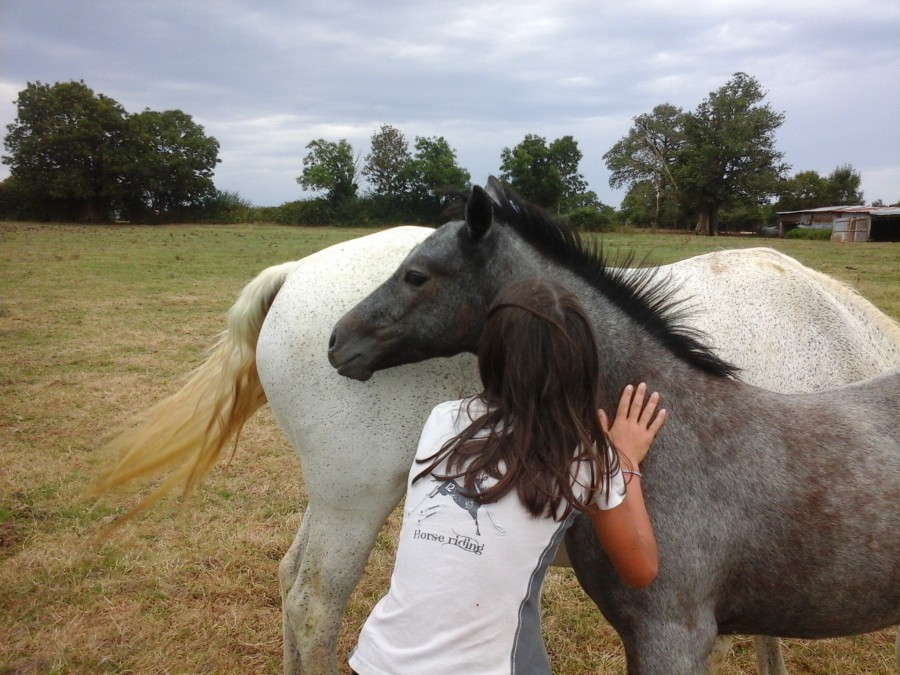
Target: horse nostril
333 338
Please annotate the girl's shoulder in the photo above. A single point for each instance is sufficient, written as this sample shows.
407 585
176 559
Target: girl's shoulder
459 413
472 406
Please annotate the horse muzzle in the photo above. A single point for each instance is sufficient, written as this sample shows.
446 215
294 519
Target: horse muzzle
347 352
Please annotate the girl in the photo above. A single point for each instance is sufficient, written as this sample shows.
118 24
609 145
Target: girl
498 478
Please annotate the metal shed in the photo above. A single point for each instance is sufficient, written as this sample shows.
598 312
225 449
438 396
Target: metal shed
847 223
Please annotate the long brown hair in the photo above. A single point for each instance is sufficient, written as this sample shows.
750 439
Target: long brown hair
538 362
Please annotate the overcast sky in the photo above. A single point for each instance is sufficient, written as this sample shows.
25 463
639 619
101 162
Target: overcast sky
266 77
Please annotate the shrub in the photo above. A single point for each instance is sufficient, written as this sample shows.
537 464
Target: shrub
304 212
265 214
226 207
808 233
588 219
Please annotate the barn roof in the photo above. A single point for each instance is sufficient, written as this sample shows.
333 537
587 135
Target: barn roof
871 210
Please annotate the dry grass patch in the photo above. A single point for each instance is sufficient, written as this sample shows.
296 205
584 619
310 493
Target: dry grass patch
100 322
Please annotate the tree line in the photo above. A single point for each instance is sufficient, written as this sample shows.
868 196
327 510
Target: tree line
715 165
77 155
415 185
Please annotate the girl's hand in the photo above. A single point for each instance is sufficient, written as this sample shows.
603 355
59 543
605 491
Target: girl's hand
636 424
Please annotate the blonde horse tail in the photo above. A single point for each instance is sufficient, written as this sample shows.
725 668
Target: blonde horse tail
186 433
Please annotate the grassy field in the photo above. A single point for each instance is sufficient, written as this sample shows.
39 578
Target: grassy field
99 322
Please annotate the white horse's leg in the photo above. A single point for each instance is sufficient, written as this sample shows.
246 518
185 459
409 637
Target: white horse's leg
719 653
334 554
290 563
287 575
769 659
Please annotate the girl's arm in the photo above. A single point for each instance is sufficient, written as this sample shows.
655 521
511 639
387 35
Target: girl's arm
625 532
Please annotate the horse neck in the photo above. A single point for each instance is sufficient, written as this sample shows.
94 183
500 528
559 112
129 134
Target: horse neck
629 353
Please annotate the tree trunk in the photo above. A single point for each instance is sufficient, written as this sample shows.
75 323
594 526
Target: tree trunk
656 212
706 222
92 212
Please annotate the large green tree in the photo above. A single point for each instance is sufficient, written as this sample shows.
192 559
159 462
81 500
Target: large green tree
85 156
386 165
566 155
528 168
646 157
729 157
544 174
809 190
842 187
434 171
171 162
67 145
330 167
804 190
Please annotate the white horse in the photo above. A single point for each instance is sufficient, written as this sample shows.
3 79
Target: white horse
788 327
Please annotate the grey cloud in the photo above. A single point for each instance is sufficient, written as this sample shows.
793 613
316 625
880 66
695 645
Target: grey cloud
263 77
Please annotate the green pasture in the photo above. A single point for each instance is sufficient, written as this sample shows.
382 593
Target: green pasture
98 322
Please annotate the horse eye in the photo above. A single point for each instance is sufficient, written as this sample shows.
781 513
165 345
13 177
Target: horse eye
415 278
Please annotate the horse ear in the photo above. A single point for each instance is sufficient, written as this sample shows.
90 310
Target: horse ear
479 213
495 189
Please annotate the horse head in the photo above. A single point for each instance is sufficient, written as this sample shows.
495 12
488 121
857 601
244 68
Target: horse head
434 304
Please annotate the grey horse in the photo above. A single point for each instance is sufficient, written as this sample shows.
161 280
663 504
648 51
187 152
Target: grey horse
775 514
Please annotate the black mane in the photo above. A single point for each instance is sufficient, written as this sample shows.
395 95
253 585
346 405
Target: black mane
644 297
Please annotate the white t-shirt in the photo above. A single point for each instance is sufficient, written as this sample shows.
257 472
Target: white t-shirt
465 590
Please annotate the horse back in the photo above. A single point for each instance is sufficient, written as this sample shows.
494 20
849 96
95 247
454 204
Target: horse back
788 327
